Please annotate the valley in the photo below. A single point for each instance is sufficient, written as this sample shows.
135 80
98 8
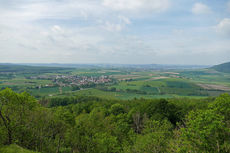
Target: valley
116 82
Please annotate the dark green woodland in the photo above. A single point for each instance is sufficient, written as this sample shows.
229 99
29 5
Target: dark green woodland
96 125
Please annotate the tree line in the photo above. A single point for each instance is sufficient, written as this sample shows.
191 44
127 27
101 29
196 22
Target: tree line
94 125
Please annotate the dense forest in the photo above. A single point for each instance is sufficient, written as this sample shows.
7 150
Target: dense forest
95 125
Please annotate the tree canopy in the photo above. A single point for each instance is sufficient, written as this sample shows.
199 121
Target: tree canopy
93 125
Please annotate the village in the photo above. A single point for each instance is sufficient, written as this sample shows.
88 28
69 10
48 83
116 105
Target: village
72 80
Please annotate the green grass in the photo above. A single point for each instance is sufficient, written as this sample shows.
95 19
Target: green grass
14 149
175 86
207 76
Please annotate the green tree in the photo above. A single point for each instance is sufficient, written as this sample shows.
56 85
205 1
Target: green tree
117 109
92 133
14 110
154 139
208 131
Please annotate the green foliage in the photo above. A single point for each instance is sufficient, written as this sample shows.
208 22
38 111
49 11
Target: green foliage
162 109
14 149
95 125
24 122
209 130
91 135
154 138
14 110
53 102
117 109
222 106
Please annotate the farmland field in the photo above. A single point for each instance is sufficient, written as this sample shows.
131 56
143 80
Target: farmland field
116 83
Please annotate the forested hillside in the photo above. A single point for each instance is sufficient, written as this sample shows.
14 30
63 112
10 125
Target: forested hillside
29 69
93 125
223 67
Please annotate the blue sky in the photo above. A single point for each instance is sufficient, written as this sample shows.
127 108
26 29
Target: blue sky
115 31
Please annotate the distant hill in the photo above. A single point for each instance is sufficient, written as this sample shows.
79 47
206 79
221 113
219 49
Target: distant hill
4 67
225 67
125 66
55 67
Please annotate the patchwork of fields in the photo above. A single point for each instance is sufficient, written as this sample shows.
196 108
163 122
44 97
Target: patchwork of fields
125 84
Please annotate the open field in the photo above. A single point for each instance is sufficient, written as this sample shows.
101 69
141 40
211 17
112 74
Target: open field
117 83
214 87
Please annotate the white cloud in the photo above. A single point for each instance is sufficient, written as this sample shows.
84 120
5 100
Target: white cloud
56 28
113 27
124 19
122 22
36 44
135 5
40 9
224 27
118 31
200 8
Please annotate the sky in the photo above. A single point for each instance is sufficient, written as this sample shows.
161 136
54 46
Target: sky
186 32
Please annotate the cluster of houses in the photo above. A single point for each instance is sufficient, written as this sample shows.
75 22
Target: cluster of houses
73 80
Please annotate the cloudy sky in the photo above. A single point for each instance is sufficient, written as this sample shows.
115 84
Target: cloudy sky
115 31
